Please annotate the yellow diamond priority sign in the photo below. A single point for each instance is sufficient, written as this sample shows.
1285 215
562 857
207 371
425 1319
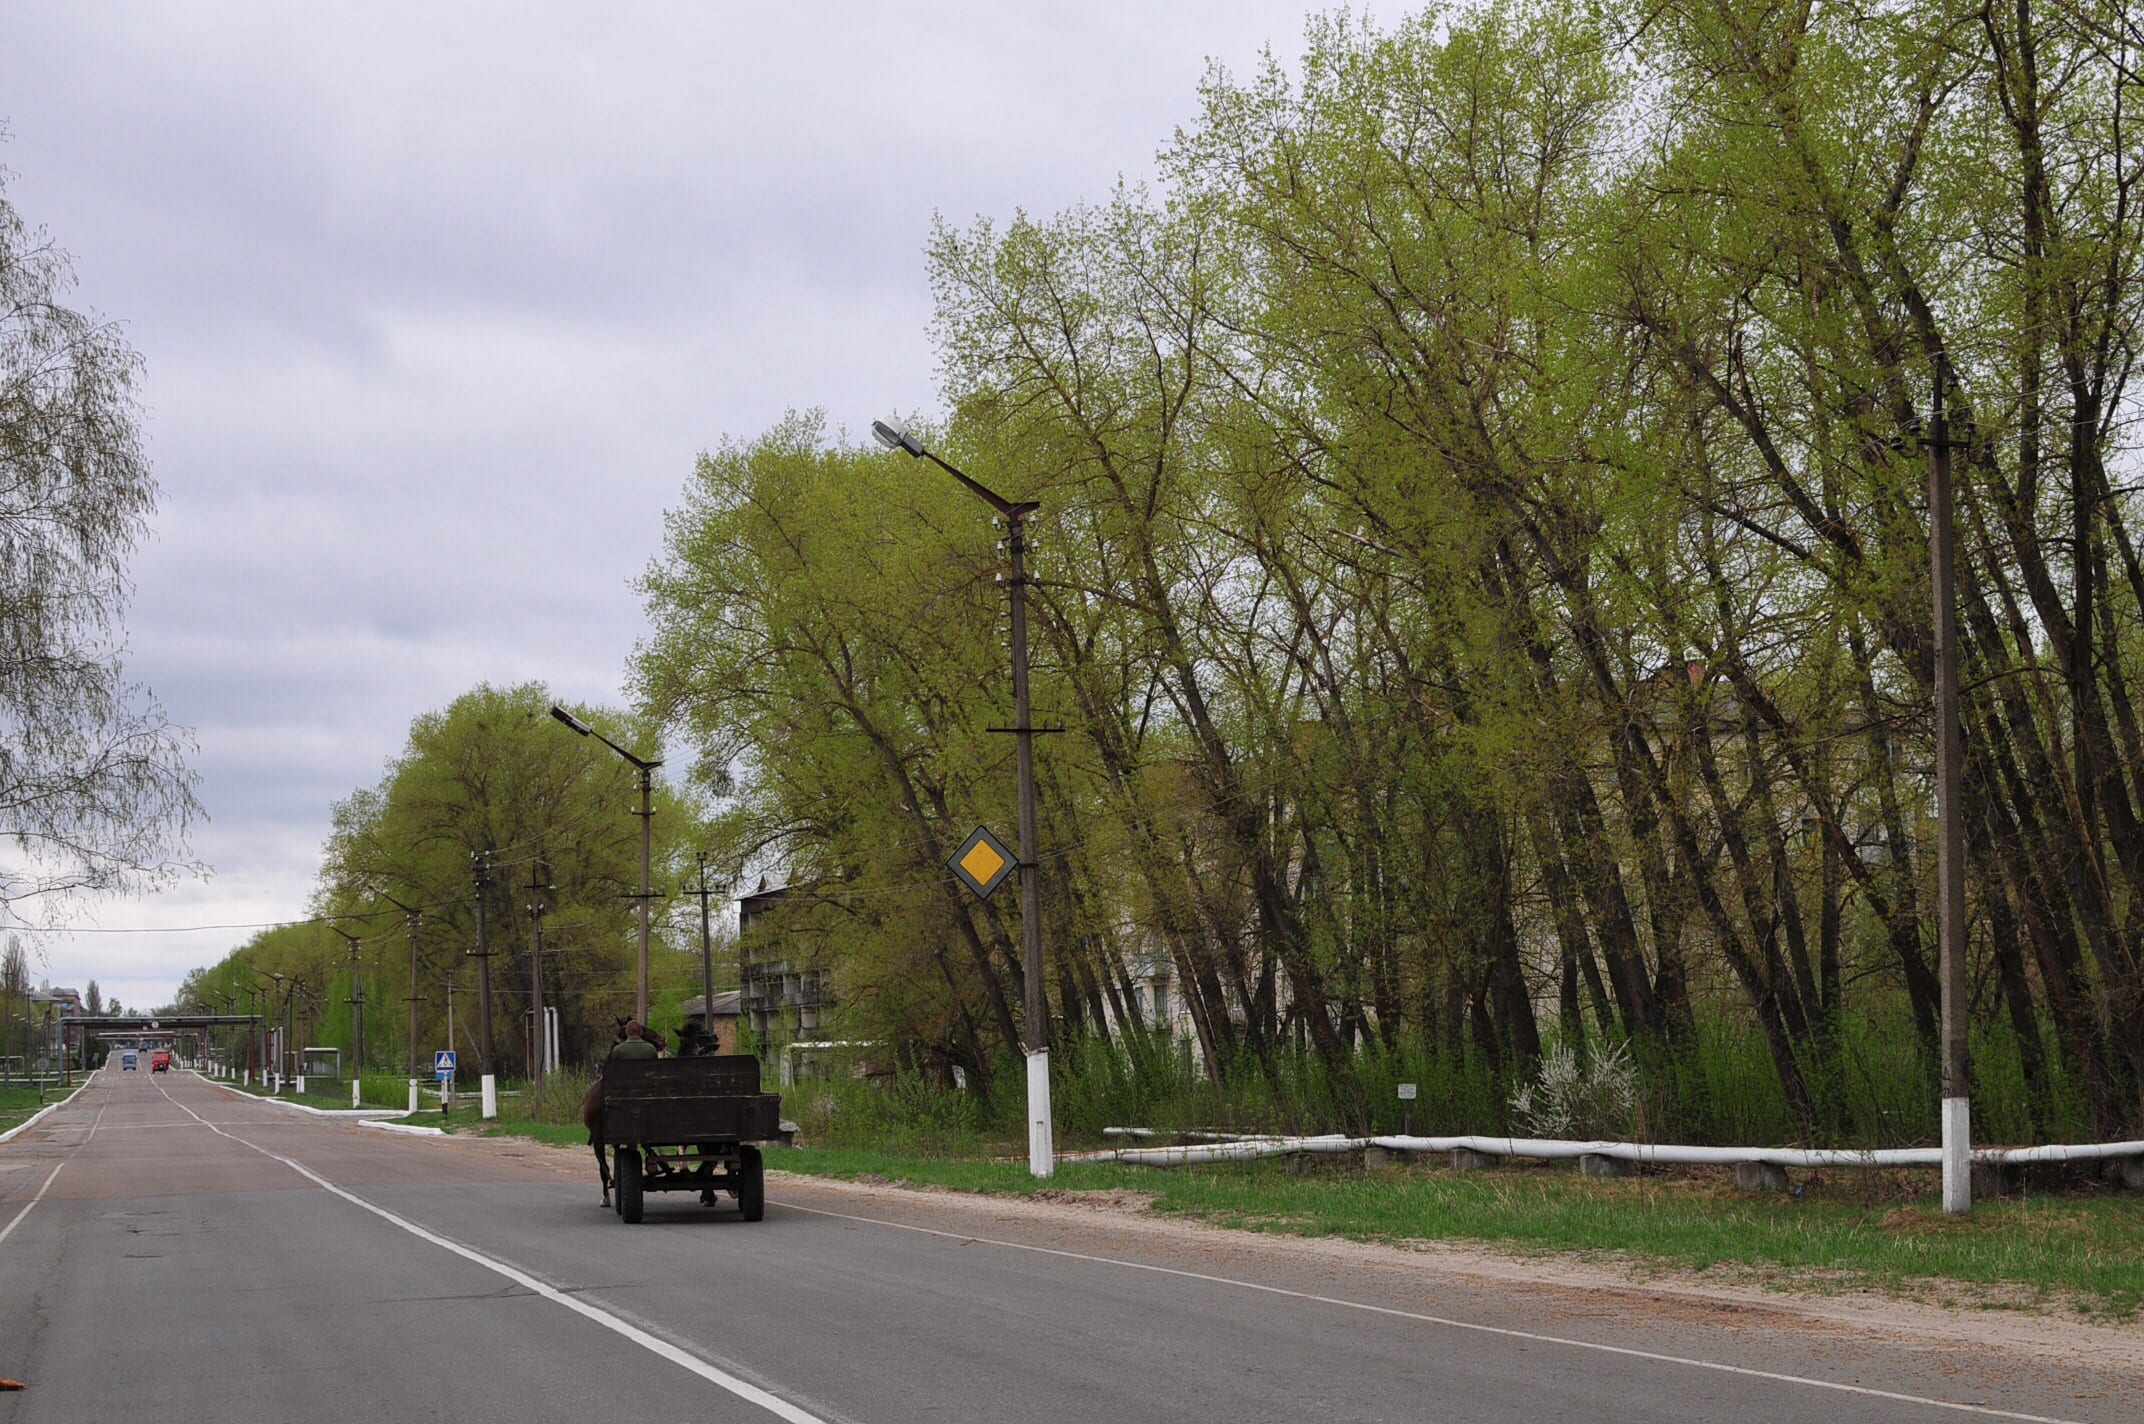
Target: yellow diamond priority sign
982 862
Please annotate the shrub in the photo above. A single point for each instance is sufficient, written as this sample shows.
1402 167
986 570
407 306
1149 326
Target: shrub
1570 1098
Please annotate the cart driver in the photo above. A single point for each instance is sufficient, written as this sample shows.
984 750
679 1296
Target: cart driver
634 1044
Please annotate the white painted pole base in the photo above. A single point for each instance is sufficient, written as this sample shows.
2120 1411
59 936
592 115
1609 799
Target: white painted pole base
245 1079
1041 1147
1957 1156
301 1085
413 1095
354 1102
491 1096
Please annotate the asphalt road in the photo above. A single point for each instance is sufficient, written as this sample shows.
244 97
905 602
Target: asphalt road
171 1250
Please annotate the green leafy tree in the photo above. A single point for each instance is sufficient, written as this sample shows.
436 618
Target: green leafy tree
492 779
1482 573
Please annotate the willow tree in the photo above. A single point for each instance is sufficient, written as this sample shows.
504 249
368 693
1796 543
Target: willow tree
95 794
1482 565
825 631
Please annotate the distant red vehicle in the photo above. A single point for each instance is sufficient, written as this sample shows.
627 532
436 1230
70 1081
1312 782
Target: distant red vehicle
160 1061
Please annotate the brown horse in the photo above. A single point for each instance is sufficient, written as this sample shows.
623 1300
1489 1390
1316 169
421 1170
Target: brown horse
592 1107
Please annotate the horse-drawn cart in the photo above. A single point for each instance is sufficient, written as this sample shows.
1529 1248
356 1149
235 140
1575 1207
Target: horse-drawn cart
688 1125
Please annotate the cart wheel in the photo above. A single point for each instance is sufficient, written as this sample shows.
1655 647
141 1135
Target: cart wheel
751 1183
629 1200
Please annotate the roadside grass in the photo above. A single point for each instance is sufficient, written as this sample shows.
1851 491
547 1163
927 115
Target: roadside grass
337 1100
550 1113
557 1134
20 1101
2081 1252
1846 1231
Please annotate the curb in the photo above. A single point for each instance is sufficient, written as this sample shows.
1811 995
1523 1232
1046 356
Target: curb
413 1129
31 1121
362 1114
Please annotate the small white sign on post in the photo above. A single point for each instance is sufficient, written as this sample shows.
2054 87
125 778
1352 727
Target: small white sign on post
1406 1092
1406 1110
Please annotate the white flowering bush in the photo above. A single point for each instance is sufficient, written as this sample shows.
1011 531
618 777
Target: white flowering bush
1596 1100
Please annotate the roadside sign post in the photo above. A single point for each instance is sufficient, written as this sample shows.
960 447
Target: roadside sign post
1406 1108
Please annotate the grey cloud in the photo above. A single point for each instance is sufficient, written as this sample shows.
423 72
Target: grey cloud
438 303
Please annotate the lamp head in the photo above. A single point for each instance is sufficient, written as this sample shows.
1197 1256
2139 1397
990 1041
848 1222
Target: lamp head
893 437
570 720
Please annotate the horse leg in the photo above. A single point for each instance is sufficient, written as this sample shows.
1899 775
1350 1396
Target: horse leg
592 1119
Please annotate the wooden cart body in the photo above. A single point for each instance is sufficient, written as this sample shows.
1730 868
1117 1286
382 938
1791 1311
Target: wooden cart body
688 1125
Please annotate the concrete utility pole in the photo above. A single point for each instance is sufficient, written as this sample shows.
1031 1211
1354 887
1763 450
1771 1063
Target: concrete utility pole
413 999
539 1038
1038 1004
256 1033
1950 838
283 1056
1041 1149
647 889
707 949
482 864
356 1001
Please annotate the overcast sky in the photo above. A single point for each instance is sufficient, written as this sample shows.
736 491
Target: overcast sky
438 302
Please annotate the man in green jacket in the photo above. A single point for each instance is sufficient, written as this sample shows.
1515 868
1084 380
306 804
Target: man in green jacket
634 1044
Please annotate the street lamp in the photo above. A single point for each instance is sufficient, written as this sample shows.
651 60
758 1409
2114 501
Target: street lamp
283 1046
646 770
230 1042
1957 1123
539 1038
413 915
356 1001
313 1001
1041 1156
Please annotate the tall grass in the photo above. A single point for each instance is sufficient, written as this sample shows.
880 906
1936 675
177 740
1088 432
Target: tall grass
1874 1088
383 1090
557 1099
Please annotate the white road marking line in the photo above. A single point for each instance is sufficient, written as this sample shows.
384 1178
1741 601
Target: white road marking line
9 1229
1656 1357
750 1393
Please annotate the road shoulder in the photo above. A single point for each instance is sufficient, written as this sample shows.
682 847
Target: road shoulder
1121 1223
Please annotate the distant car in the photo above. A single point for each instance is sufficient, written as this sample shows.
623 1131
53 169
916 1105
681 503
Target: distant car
159 1062
129 1061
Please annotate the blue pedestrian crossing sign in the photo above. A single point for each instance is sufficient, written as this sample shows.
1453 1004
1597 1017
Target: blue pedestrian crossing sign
443 1063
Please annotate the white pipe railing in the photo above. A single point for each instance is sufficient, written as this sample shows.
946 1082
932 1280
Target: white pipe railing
1667 1154
1239 1150
1226 1147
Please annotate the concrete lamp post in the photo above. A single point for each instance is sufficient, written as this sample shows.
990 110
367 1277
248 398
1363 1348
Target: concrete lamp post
646 770
356 1001
412 915
1041 1147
